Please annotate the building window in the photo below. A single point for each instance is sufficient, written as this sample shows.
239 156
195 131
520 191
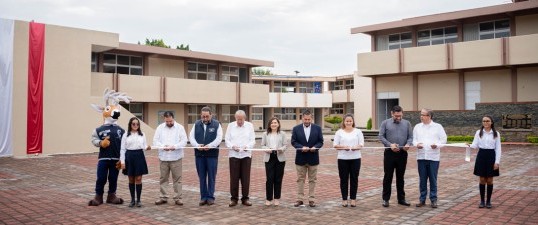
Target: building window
284 87
349 84
350 108
402 40
306 87
137 109
494 29
257 113
94 62
196 110
228 112
201 71
437 36
285 113
472 94
230 73
122 64
337 109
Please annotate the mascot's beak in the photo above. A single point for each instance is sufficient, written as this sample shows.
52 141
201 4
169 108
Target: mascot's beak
115 114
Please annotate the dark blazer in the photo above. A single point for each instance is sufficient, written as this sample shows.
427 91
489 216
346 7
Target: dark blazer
298 140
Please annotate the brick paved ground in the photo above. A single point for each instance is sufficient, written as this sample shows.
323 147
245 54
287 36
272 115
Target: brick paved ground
56 190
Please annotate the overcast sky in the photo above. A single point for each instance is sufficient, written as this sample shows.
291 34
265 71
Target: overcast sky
310 36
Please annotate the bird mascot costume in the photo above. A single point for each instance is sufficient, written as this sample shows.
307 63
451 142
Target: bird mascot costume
108 138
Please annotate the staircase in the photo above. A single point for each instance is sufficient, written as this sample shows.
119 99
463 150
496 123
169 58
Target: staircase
370 135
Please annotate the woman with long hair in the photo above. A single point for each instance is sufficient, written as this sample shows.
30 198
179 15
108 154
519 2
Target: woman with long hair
348 140
133 161
274 140
488 141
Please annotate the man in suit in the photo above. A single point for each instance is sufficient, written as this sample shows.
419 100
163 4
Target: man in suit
307 139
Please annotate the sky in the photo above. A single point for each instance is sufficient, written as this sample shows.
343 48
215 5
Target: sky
309 36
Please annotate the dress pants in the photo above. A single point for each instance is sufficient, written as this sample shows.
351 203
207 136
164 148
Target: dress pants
207 172
348 171
240 172
312 172
274 172
176 168
394 161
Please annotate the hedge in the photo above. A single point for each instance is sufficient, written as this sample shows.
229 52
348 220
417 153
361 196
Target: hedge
532 139
469 139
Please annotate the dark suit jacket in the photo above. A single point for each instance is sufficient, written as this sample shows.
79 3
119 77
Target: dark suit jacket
298 140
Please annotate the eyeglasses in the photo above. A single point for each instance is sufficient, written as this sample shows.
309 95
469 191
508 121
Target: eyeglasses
134 124
486 121
424 115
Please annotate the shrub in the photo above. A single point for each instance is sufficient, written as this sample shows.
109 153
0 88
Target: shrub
532 139
369 124
466 138
334 120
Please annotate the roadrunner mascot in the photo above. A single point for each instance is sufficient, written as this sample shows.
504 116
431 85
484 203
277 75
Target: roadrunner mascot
108 138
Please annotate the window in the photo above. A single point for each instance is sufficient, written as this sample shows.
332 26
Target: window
337 109
228 112
230 73
284 87
137 109
350 107
402 40
201 71
285 113
195 111
94 67
437 36
349 84
341 85
257 113
472 94
306 87
122 64
494 29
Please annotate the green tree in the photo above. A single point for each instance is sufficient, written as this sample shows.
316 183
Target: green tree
160 43
261 71
334 120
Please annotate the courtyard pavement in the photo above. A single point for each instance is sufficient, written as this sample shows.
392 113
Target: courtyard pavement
56 190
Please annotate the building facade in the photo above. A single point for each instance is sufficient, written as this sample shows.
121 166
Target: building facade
454 61
79 64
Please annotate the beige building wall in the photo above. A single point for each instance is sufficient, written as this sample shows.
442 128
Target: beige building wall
382 62
99 82
362 98
166 67
495 85
154 108
20 95
474 54
527 24
401 84
527 82
67 81
200 91
438 91
426 58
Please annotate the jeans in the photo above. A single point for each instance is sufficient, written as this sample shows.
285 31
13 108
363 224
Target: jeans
427 169
207 172
106 169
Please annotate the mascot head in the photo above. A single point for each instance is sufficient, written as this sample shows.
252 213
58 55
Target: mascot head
111 110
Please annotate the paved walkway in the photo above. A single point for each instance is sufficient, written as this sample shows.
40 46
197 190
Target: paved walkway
56 190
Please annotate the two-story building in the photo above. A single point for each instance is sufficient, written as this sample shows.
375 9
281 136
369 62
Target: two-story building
470 62
74 66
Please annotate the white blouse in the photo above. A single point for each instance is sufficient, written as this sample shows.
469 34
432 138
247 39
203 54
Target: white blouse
488 142
353 138
133 142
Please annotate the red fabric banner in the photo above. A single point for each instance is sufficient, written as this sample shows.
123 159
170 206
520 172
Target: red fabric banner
36 59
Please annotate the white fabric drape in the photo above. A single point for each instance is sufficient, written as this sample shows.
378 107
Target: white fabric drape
6 86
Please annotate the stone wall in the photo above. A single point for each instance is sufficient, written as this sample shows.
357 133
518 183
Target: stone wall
467 122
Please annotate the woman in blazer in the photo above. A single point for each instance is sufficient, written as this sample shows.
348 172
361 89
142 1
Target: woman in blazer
274 140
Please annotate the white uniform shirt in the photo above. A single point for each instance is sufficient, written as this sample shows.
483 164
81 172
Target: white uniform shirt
429 134
241 136
352 139
172 136
488 142
214 144
133 142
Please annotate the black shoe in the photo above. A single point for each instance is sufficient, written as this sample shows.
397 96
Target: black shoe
132 204
203 202
385 203
298 203
420 204
482 205
138 204
488 205
434 204
404 202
